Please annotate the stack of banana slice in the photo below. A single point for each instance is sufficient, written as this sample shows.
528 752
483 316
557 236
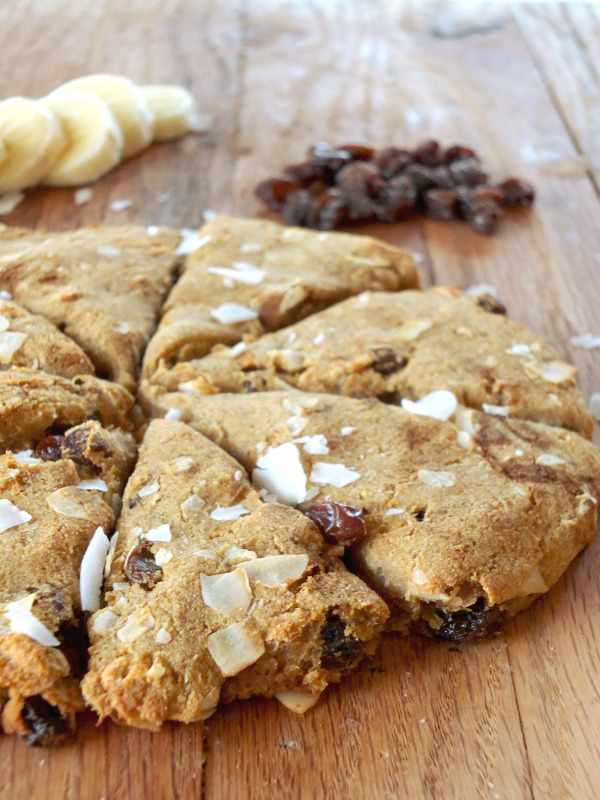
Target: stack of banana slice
86 127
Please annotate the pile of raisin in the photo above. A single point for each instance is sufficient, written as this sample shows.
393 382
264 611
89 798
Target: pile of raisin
350 184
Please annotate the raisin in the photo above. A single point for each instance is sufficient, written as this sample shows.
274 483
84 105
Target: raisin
397 199
441 204
338 650
74 444
456 153
49 448
385 361
491 304
44 721
297 206
358 152
338 523
333 158
517 192
470 625
141 567
482 214
273 192
392 161
467 172
428 153
327 211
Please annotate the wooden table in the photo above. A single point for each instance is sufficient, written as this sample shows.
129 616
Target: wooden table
514 717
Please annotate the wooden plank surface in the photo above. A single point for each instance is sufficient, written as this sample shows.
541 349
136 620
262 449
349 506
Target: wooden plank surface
514 717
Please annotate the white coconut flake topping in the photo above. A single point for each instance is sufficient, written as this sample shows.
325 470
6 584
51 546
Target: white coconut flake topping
104 621
519 350
496 411
555 371
123 328
333 474
69 502
92 570
240 271
347 430
296 424
107 250
162 556
137 624
93 483
174 414
160 534
11 516
482 288
191 241
10 342
298 702
589 341
182 463
163 636
193 503
549 460
25 457
280 472
21 620
314 445
188 387
391 512
440 405
230 313
152 488
419 577
433 478
276 570
228 593
231 512
234 648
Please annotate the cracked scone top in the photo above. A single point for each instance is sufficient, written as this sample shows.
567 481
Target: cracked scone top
469 518
213 594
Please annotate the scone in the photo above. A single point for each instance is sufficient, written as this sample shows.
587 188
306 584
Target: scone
53 499
249 276
213 594
469 516
101 286
398 347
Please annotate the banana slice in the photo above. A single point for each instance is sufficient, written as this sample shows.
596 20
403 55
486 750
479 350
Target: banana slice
125 101
174 111
94 139
33 139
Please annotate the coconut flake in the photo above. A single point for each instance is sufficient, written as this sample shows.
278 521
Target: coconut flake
152 488
230 313
82 196
162 556
188 387
319 338
10 342
104 620
182 463
234 553
122 327
152 230
238 348
107 250
25 457
419 577
433 478
69 502
496 411
230 512
137 624
92 571
229 593
276 570
111 553
333 474
174 414
413 328
9 201
163 636
555 371
315 445
241 271
549 460
11 516
519 350
589 341
93 483
193 503
347 430
440 405
4 295
160 534
280 472
482 288
296 701
23 621
533 584
234 648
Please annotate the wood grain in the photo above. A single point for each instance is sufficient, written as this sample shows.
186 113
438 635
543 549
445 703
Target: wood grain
514 717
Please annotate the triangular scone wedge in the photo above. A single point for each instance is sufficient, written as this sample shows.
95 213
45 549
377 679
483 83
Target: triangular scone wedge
212 594
399 346
249 276
102 286
53 499
33 403
28 340
469 520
